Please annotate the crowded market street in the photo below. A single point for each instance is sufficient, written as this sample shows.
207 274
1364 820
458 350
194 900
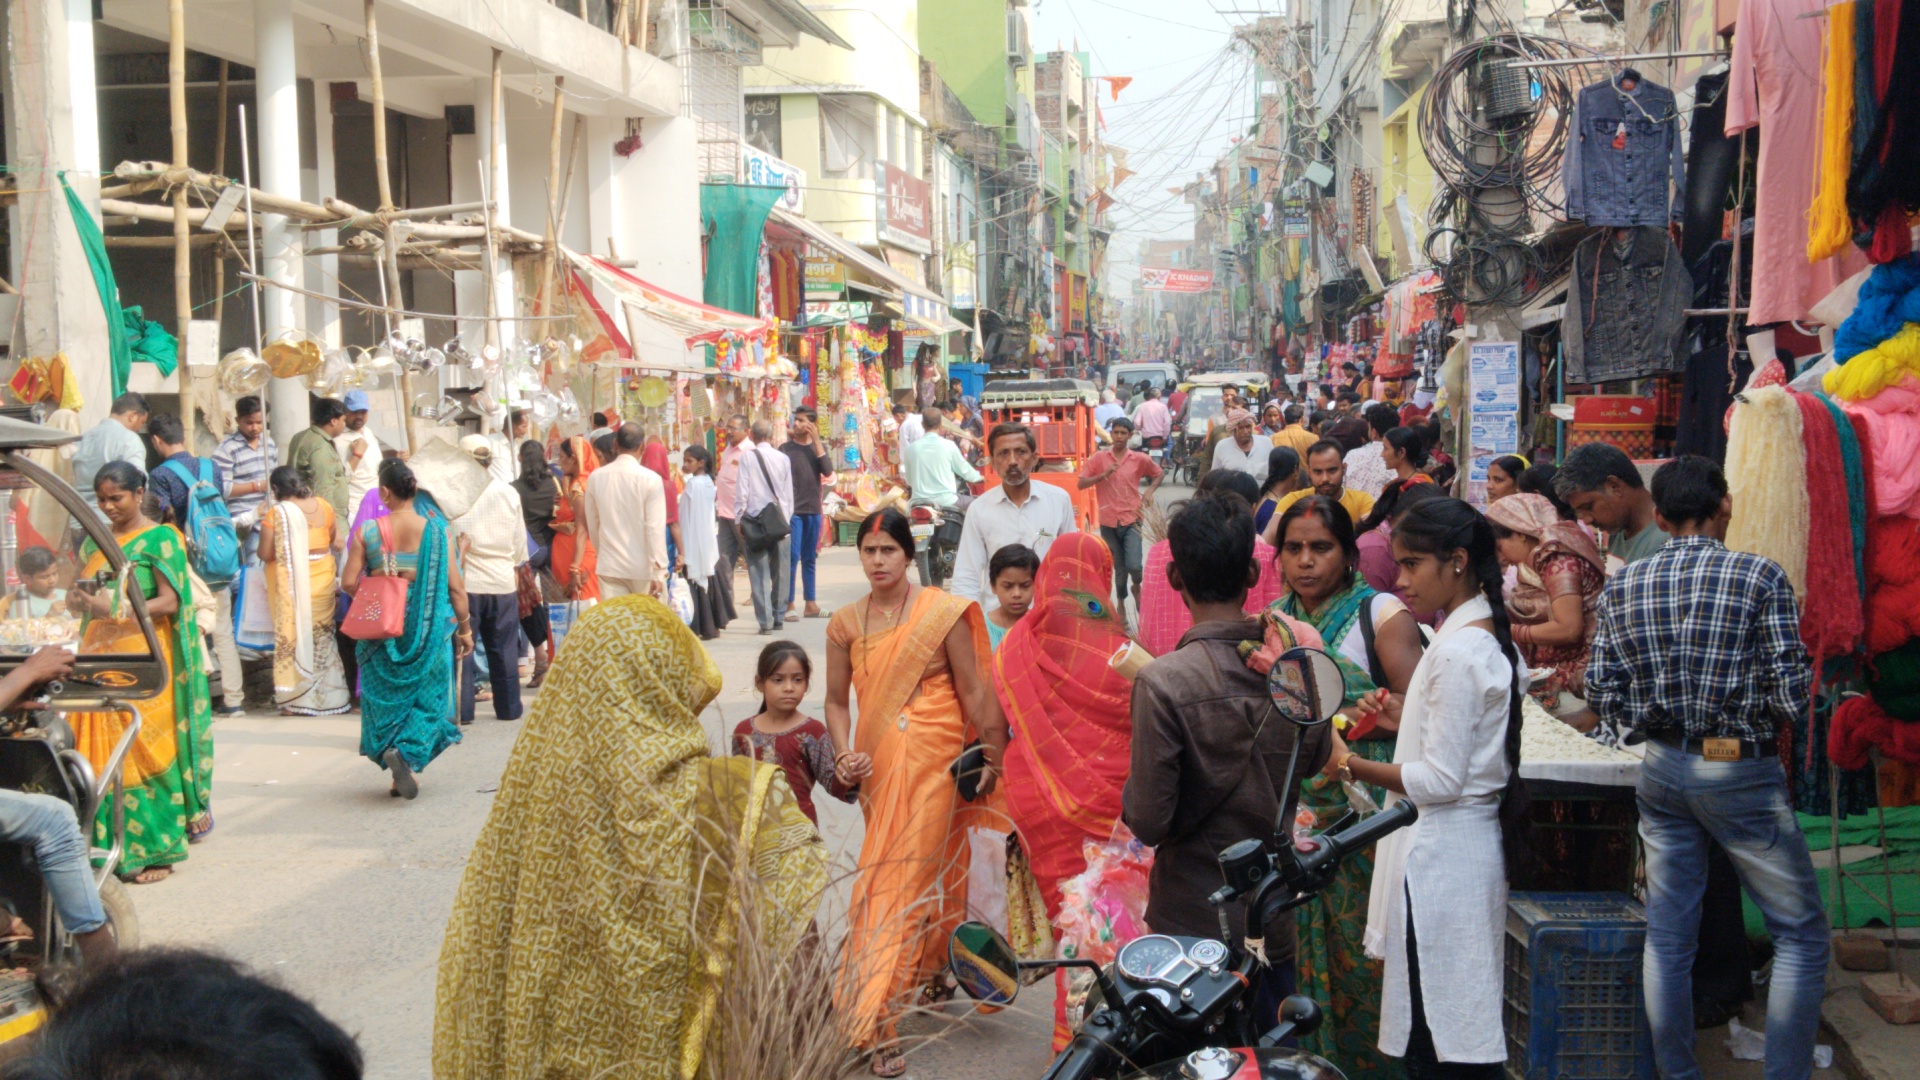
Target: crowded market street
324 882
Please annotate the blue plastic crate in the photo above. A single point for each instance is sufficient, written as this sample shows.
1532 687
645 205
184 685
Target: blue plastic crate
1574 1008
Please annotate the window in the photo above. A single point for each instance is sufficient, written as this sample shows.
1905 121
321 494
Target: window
846 136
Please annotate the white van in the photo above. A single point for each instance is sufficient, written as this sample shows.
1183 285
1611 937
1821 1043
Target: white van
1163 376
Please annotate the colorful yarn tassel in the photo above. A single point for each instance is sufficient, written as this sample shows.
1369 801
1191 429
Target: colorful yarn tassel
1767 473
1829 229
1831 618
1881 366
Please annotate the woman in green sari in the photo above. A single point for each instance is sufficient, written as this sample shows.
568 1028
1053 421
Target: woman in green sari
1377 644
169 771
407 698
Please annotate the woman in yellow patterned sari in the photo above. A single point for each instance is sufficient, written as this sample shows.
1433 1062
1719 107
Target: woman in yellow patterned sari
917 659
591 931
169 772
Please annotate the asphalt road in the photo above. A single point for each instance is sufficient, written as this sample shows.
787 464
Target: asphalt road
316 877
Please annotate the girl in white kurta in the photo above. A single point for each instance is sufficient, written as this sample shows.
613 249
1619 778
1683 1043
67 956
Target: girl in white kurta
1457 759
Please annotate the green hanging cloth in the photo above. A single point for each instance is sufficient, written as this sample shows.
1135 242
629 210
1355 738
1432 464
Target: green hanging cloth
733 218
120 349
150 341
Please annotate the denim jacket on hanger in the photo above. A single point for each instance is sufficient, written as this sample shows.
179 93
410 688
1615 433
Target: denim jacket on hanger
1622 150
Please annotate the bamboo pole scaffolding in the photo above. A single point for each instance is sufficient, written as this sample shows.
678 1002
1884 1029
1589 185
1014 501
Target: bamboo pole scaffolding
549 266
395 299
182 228
220 165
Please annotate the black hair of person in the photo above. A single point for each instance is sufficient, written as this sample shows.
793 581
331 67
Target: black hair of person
1538 480
1588 468
123 475
1512 464
167 428
326 410
1439 527
1010 427
1395 499
1293 414
605 450
599 419
1330 513
1408 442
1211 541
286 483
1689 489
1322 447
35 560
702 455
533 460
1382 418
894 524
247 406
775 654
1229 481
186 1013
131 403
1012 557
397 477
1283 463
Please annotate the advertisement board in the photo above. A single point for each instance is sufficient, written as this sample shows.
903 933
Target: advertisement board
825 277
1493 396
905 209
762 168
1167 279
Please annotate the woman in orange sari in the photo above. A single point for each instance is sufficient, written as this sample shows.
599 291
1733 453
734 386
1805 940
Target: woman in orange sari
916 658
574 564
1072 720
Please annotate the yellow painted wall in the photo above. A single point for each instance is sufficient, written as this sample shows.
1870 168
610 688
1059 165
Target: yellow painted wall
885 59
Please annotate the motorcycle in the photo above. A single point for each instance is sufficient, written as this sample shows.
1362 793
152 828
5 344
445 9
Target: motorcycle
1184 1002
936 540
1156 448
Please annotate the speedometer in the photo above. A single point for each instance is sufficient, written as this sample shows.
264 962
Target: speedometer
1143 959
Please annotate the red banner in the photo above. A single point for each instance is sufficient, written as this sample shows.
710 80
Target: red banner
906 210
1153 279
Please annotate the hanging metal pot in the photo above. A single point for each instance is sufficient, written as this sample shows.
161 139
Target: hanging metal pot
241 372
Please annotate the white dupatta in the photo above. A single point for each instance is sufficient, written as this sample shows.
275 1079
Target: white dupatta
293 643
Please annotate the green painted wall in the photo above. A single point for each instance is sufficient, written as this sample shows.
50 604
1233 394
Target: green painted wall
966 40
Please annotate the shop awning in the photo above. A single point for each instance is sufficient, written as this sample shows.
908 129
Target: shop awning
922 305
695 322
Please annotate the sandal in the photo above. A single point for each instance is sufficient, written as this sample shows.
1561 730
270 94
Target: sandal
935 993
404 785
890 1061
151 875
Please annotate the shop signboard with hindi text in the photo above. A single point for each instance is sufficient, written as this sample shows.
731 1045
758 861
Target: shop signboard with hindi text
1076 303
1493 394
825 277
1171 279
905 210
766 170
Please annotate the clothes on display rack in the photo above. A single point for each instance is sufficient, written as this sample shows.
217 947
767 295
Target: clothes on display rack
1626 307
1623 150
1712 158
1774 84
1884 185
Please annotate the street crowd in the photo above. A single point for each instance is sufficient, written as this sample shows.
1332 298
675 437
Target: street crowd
1323 522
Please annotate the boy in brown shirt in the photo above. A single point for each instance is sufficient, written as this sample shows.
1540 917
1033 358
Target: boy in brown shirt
1210 750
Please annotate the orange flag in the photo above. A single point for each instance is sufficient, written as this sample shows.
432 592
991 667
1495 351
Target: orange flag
1117 83
1120 175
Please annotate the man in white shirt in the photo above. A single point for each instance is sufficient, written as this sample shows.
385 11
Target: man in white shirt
626 512
766 476
1366 469
1240 452
360 451
492 539
1018 511
912 430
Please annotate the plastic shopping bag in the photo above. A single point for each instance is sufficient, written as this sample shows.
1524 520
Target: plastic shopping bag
561 618
1105 906
253 620
987 877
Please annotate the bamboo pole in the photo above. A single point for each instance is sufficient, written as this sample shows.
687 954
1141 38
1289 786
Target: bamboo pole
566 182
549 266
182 236
220 166
395 300
490 172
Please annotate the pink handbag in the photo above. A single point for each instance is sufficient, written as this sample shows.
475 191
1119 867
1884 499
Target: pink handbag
379 609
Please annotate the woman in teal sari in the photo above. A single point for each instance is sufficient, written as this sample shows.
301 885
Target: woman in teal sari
169 771
407 690
1374 639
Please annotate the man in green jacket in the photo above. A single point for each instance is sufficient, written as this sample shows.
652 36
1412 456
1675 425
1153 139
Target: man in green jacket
312 453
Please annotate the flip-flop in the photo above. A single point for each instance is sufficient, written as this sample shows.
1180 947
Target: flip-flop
403 781
820 615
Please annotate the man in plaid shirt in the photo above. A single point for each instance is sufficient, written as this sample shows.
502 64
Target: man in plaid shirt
1698 650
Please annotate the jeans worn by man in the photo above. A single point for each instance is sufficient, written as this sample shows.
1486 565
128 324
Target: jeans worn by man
767 581
1699 648
803 560
48 826
1129 558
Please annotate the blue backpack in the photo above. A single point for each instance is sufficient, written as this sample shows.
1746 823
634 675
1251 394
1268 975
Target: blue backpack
213 547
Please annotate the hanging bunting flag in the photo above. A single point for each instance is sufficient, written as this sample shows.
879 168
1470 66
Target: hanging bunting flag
1120 175
1117 83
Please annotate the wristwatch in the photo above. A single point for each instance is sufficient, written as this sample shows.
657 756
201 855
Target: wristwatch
1345 771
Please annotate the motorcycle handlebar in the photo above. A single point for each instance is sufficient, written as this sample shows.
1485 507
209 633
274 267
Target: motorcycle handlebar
1079 1062
1333 848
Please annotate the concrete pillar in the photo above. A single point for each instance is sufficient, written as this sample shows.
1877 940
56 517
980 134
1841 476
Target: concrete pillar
52 125
278 102
882 136
488 128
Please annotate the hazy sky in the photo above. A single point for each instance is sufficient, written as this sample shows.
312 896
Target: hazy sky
1191 94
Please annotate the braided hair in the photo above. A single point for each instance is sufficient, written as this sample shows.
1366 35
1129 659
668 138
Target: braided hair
1440 527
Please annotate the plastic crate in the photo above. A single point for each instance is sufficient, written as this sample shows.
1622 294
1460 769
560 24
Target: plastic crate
846 533
1574 1007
